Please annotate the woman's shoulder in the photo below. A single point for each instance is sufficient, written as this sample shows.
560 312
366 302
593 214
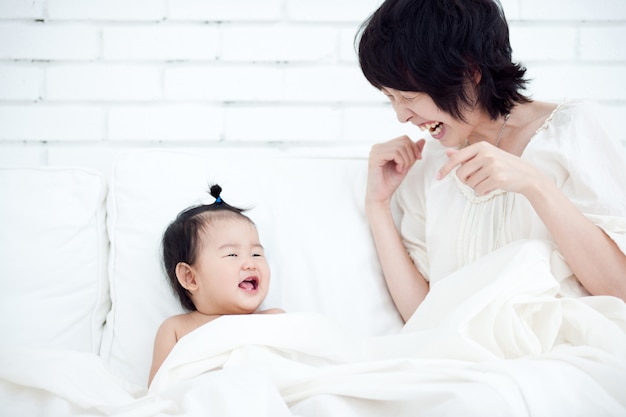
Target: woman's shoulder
569 125
578 106
576 135
570 113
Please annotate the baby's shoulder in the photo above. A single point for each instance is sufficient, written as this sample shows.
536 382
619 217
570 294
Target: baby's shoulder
177 325
183 324
176 320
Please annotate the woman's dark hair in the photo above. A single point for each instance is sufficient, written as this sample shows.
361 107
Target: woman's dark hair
182 237
436 47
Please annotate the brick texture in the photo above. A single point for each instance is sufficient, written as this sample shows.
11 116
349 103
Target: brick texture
80 77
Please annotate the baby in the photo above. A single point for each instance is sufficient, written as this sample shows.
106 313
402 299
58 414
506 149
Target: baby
215 264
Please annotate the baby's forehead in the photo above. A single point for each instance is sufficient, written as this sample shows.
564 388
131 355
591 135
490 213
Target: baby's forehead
230 234
227 223
219 217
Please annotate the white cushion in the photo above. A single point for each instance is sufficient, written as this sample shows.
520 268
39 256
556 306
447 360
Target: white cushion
54 253
309 213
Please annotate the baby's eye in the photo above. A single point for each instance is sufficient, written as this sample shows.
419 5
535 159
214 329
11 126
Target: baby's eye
257 254
232 254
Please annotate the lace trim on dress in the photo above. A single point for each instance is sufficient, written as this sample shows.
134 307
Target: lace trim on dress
469 192
545 124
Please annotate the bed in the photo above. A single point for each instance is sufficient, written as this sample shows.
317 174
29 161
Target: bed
83 294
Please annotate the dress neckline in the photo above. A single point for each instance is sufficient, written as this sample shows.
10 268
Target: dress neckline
469 192
547 122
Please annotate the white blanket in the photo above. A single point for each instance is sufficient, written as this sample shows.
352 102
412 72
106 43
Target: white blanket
490 340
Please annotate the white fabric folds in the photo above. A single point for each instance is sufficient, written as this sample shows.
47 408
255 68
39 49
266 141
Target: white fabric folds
492 339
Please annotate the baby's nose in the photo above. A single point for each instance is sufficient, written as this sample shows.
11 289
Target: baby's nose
249 265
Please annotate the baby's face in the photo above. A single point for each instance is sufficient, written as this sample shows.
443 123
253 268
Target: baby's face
233 274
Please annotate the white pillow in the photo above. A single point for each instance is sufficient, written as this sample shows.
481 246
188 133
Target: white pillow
54 254
309 213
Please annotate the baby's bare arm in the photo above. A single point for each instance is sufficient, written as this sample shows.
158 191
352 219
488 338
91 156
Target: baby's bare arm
163 344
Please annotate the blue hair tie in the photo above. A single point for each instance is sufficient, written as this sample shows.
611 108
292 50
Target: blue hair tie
218 200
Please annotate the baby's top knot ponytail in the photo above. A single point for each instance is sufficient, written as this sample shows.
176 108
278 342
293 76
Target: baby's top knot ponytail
216 190
218 206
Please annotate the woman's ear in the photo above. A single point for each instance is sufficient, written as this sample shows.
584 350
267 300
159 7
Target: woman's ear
186 276
477 76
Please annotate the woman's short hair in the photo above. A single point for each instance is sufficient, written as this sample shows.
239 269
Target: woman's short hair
438 47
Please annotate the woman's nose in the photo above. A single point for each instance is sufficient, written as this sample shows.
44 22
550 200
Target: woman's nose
403 113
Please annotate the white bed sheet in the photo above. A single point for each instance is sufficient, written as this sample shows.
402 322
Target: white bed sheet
490 341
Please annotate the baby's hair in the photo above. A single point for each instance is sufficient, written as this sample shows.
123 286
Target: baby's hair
219 205
181 240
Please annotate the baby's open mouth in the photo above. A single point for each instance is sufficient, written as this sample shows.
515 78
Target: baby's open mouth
250 283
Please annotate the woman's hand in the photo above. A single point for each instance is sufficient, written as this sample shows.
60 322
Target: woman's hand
486 168
389 162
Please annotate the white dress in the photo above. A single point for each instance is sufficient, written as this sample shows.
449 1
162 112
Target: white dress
446 226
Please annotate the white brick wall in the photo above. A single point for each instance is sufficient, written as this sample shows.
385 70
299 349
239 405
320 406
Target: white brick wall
83 80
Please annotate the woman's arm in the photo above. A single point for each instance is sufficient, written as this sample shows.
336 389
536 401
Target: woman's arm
407 286
595 259
389 163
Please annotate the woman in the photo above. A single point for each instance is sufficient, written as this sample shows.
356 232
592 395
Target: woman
502 167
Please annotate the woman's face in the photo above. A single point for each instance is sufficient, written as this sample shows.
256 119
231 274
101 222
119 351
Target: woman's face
420 110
